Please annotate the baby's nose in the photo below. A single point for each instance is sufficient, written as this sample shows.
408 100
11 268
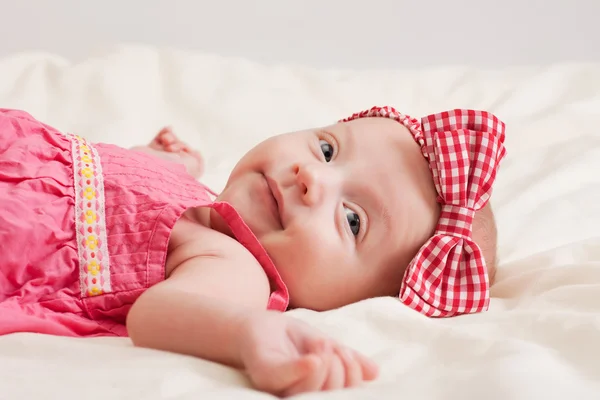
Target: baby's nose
315 182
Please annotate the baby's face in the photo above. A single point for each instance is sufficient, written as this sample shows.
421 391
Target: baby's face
341 210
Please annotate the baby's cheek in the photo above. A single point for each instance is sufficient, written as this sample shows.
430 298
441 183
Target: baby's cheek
299 254
491 268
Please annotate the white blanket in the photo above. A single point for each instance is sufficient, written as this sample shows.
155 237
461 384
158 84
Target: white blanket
540 337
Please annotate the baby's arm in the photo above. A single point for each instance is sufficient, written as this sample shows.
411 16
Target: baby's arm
200 308
213 306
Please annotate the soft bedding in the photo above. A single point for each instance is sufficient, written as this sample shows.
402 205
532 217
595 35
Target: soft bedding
538 340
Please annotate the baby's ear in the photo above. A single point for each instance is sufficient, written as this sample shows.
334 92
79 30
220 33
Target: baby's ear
485 235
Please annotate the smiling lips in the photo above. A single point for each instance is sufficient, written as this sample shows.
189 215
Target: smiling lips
277 206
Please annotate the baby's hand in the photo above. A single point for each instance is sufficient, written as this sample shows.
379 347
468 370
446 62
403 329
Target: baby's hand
172 148
284 356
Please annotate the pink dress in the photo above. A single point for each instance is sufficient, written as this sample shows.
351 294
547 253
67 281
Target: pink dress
84 229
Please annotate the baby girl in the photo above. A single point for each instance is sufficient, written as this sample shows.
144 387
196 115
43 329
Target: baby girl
100 240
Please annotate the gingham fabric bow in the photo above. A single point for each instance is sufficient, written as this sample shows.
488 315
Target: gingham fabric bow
448 275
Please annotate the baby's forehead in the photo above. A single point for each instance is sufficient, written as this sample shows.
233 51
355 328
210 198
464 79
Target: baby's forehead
386 149
385 135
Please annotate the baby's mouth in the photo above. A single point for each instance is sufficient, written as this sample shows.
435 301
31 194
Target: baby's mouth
277 198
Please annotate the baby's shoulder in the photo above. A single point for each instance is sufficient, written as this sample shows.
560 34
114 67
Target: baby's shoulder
191 239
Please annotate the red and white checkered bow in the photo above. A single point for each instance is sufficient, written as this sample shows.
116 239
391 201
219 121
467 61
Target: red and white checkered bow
448 275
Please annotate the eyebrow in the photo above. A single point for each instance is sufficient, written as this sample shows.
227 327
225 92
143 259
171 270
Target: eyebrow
375 202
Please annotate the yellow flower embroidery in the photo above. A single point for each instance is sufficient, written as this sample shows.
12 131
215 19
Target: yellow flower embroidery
92 242
89 193
90 217
90 222
87 172
94 291
93 267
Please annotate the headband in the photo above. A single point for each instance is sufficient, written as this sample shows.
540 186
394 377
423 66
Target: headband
448 276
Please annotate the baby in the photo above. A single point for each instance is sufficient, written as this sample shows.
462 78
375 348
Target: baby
100 240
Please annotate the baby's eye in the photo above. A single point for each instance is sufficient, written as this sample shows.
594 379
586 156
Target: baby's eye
353 221
327 149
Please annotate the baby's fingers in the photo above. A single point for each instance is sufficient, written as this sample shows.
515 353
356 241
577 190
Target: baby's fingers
336 374
174 147
370 370
165 136
316 379
352 367
277 380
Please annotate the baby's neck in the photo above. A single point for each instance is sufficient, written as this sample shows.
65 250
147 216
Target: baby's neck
200 215
208 217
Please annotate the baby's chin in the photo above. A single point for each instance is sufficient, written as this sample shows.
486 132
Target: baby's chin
260 228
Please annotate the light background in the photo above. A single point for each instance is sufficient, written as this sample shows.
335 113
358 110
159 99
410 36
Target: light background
334 33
